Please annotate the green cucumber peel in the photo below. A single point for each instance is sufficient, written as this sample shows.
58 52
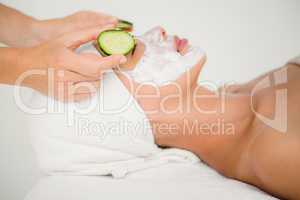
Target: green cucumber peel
124 25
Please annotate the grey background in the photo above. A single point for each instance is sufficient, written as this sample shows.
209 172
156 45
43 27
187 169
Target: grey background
242 38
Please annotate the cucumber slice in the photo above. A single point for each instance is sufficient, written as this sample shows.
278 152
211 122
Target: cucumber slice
125 25
115 41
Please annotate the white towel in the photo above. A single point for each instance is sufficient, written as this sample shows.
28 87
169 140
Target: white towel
114 138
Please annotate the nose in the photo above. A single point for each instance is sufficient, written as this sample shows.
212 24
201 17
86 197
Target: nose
161 31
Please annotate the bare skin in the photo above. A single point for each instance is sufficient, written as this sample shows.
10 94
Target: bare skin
247 149
49 44
253 152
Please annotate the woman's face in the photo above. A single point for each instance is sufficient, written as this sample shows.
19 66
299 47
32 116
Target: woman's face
160 40
179 87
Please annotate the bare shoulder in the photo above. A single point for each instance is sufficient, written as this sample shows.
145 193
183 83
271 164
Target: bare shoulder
277 105
275 135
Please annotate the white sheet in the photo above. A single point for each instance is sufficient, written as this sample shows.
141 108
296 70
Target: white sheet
172 181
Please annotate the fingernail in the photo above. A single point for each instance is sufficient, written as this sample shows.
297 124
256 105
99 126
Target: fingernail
123 60
109 25
113 20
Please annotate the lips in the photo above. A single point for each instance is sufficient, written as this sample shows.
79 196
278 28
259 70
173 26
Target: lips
181 45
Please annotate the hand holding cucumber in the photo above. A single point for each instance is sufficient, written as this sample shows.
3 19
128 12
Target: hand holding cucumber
44 44
70 69
48 29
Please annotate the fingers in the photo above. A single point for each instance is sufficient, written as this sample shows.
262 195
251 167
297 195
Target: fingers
94 65
103 18
111 61
87 64
107 62
90 18
75 39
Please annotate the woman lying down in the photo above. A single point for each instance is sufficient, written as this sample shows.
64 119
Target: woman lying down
151 111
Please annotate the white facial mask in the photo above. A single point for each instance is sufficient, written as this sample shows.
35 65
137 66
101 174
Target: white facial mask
161 63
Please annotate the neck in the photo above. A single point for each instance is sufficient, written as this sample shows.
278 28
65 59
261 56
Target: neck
206 123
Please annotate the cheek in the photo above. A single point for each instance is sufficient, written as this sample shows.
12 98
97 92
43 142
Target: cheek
170 43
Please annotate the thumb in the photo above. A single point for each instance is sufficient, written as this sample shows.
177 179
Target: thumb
93 65
75 39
